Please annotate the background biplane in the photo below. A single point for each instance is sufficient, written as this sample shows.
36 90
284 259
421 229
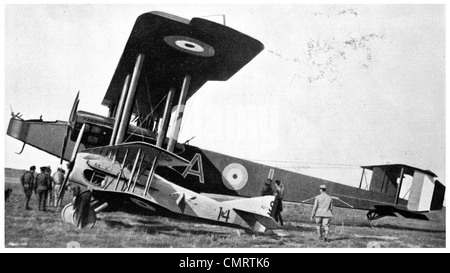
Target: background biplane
165 61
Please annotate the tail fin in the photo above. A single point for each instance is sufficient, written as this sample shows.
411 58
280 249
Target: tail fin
255 211
426 193
437 201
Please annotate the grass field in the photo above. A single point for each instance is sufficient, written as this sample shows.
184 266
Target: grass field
35 229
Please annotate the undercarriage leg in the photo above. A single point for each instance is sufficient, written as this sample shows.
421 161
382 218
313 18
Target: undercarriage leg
373 215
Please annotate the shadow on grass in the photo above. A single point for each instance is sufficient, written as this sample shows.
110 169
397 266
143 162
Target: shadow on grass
299 226
154 227
395 227
389 226
339 239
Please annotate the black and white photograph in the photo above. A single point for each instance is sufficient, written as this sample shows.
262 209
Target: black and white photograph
226 127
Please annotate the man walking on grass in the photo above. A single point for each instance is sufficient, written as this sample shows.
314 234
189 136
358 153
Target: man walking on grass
322 213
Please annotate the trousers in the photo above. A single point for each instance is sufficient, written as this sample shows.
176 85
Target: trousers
42 199
323 222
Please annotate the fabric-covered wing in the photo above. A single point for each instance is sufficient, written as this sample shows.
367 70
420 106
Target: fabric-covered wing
175 47
130 150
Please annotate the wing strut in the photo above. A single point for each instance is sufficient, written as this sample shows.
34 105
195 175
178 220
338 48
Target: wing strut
128 107
399 186
138 172
130 180
179 114
150 175
121 169
165 119
120 110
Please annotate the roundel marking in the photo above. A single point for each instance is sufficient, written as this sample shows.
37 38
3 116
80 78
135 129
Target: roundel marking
234 176
190 45
141 203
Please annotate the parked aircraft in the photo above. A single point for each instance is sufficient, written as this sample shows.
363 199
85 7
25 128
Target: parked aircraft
130 157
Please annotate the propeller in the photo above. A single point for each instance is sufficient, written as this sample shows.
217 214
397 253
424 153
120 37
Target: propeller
72 119
71 163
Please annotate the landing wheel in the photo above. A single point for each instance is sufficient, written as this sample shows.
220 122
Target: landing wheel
67 213
80 213
70 216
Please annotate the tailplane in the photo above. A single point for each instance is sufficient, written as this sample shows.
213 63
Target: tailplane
255 211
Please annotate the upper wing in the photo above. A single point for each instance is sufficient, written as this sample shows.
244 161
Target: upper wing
175 47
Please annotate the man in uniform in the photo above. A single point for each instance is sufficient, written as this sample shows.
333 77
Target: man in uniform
58 178
41 188
279 194
48 171
322 212
267 188
27 180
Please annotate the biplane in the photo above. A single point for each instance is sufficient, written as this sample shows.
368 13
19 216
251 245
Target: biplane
132 157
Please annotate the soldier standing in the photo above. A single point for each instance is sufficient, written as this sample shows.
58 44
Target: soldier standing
41 188
322 212
267 188
48 171
27 180
58 178
279 195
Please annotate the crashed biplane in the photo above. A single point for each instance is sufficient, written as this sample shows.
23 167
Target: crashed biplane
166 60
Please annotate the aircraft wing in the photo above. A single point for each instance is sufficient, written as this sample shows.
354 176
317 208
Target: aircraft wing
175 47
129 151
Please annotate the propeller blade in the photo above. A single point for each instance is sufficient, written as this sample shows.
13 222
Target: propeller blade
72 118
77 144
73 112
71 163
62 190
64 144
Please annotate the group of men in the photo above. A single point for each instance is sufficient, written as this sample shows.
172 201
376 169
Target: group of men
321 211
44 185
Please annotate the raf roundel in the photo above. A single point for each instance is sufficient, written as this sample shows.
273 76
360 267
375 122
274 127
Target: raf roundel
235 176
141 203
190 45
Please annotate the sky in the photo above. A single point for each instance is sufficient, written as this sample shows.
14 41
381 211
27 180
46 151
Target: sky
336 87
